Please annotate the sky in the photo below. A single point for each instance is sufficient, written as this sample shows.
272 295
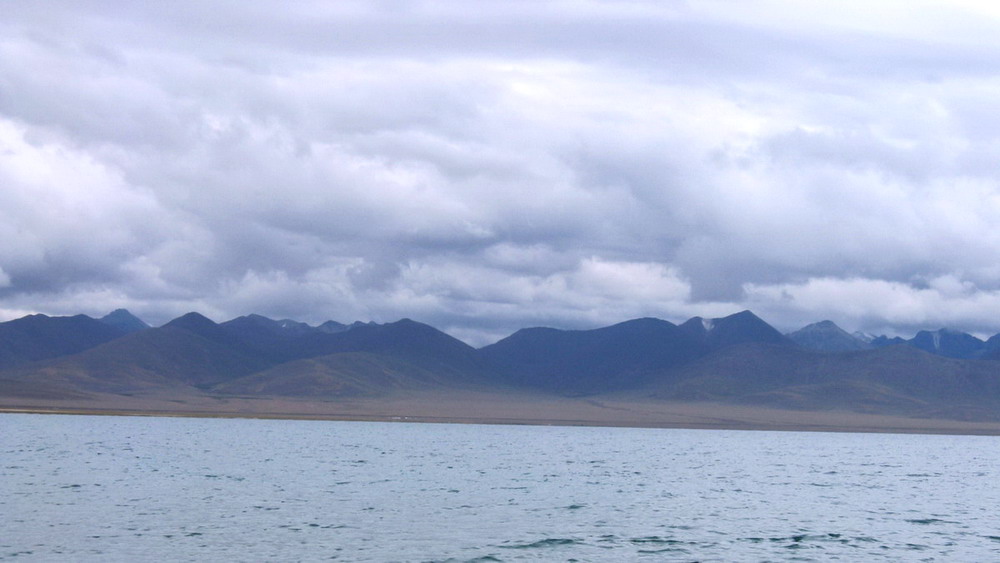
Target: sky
490 165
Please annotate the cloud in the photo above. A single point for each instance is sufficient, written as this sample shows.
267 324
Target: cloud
590 293
65 217
484 168
878 305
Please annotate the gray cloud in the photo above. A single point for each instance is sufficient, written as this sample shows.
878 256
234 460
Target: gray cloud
493 165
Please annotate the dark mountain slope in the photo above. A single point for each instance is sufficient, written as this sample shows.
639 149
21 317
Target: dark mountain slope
332 326
898 379
124 321
735 359
883 341
236 337
10 388
198 324
369 360
991 349
743 327
261 335
283 341
588 361
948 343
739 328
826 336
168 357
39 337
194 351
347 374
416 343
260 326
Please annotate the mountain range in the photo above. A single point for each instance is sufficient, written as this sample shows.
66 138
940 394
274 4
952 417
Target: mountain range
735 360
825 336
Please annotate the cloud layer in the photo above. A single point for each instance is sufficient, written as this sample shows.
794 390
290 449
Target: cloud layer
494 165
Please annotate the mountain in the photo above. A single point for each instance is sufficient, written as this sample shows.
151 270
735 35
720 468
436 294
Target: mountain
262 335
347 374
739 328
124 321
894 379
882 341
943 342
332 326
826 336
863 336
257 326
416 343
949 343
739 359
197 323
242 336
10 388
40 337
286 340
169 358
621 356
194 353
368 359
991 349
588 361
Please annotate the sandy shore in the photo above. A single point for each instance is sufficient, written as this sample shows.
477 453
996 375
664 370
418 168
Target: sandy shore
478 408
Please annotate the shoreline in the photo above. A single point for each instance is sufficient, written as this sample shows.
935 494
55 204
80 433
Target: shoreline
906 425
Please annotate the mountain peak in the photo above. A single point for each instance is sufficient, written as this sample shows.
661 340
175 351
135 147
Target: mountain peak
739 328
950 343
588 361
826 336
255 321
40 337
744 316
192 321
124 320
697 325
260 321
332 327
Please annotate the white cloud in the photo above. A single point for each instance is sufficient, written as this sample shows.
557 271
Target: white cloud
505 164
65 216
870 304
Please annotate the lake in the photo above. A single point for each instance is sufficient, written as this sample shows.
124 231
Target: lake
99 488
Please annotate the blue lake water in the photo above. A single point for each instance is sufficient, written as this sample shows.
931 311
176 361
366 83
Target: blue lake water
96 488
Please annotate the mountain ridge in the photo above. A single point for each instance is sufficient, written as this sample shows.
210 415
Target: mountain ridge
739 359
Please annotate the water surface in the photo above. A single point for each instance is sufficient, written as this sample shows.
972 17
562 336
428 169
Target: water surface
94 488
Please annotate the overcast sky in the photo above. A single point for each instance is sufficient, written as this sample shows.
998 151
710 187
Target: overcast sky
485 166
